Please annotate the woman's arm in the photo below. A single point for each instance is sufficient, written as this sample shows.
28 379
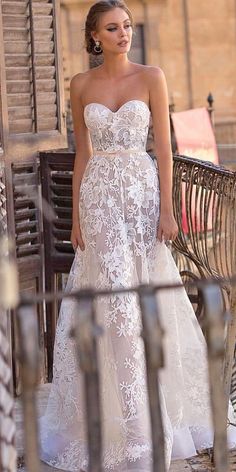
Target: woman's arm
168 228
83 153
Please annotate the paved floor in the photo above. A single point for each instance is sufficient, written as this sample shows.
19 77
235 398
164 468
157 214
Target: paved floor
198 463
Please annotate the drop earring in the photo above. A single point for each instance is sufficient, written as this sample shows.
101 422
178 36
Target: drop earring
97 48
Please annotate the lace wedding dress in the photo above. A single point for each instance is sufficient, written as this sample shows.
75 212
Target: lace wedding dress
119 210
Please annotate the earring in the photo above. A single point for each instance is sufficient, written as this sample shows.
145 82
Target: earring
97 48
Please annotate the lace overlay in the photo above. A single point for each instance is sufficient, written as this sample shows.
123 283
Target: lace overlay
119 212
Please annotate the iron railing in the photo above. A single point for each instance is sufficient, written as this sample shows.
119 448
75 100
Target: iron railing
86 333
206 195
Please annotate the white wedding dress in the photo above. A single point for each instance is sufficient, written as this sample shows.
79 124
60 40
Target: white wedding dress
119 211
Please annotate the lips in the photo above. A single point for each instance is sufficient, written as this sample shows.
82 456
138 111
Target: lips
123 43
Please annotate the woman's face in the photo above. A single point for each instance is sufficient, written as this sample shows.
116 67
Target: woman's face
114 31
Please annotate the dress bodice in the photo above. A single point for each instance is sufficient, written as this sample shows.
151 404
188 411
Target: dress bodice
125 129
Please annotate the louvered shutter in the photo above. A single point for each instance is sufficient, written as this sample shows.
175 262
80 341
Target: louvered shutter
33 82
32 119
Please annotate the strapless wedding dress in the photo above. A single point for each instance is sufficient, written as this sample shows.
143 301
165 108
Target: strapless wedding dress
119 211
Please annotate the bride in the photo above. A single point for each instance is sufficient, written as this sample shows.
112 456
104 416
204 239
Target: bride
122 217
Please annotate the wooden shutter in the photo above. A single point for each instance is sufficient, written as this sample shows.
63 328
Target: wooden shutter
26 201
33 68
18 65
32 119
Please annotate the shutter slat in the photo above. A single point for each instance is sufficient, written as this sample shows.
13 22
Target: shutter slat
47 123
22 179
21 126
25 214
15 100
18 7
45 72
29 250
47 98
42 8
49 110
21 227
17 73
44 59
44 47
42 21
13 35
26 238
19 113
23 73
46 85
15 21
20 47
45 35
18 86
62 234
19 60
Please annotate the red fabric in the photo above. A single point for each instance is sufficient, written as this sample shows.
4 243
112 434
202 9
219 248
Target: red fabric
195 138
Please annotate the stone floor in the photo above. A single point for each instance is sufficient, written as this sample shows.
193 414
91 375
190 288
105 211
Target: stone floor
199 463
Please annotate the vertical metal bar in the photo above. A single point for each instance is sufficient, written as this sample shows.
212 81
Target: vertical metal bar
215 343
29 362
85 333
7 421
152 335
230 344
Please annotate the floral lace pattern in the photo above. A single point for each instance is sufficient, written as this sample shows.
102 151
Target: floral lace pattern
119 212
125 129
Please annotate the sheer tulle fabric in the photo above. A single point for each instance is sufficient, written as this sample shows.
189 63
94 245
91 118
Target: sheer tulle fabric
119 211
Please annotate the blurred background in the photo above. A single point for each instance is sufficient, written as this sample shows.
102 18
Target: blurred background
193 41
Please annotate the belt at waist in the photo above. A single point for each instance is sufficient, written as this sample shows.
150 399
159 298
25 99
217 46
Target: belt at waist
119 152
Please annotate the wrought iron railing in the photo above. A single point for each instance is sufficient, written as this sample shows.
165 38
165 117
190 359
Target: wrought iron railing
206 195
86 335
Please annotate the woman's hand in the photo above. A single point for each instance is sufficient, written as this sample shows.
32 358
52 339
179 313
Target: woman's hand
167 228
76 237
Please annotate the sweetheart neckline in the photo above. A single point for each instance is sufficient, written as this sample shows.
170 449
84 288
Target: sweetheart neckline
114 112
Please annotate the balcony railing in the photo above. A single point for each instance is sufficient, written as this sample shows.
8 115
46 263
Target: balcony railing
204 199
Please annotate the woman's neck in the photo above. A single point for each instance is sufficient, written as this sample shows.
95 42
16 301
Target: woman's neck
115 66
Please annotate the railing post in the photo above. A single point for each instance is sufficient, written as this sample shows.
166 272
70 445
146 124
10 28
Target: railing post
85 333
29 362
215 343
152 336
9 294
230 343
7 423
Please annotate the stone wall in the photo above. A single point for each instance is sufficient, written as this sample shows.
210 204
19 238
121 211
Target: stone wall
193 41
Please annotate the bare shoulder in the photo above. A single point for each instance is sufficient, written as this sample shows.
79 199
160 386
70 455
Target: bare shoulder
78 83
154 75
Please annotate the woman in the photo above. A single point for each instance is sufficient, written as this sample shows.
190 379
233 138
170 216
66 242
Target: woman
121 221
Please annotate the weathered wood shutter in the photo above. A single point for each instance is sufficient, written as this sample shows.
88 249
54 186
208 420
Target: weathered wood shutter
32 119
30 35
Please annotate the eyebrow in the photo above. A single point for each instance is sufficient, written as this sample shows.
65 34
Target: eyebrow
109 24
